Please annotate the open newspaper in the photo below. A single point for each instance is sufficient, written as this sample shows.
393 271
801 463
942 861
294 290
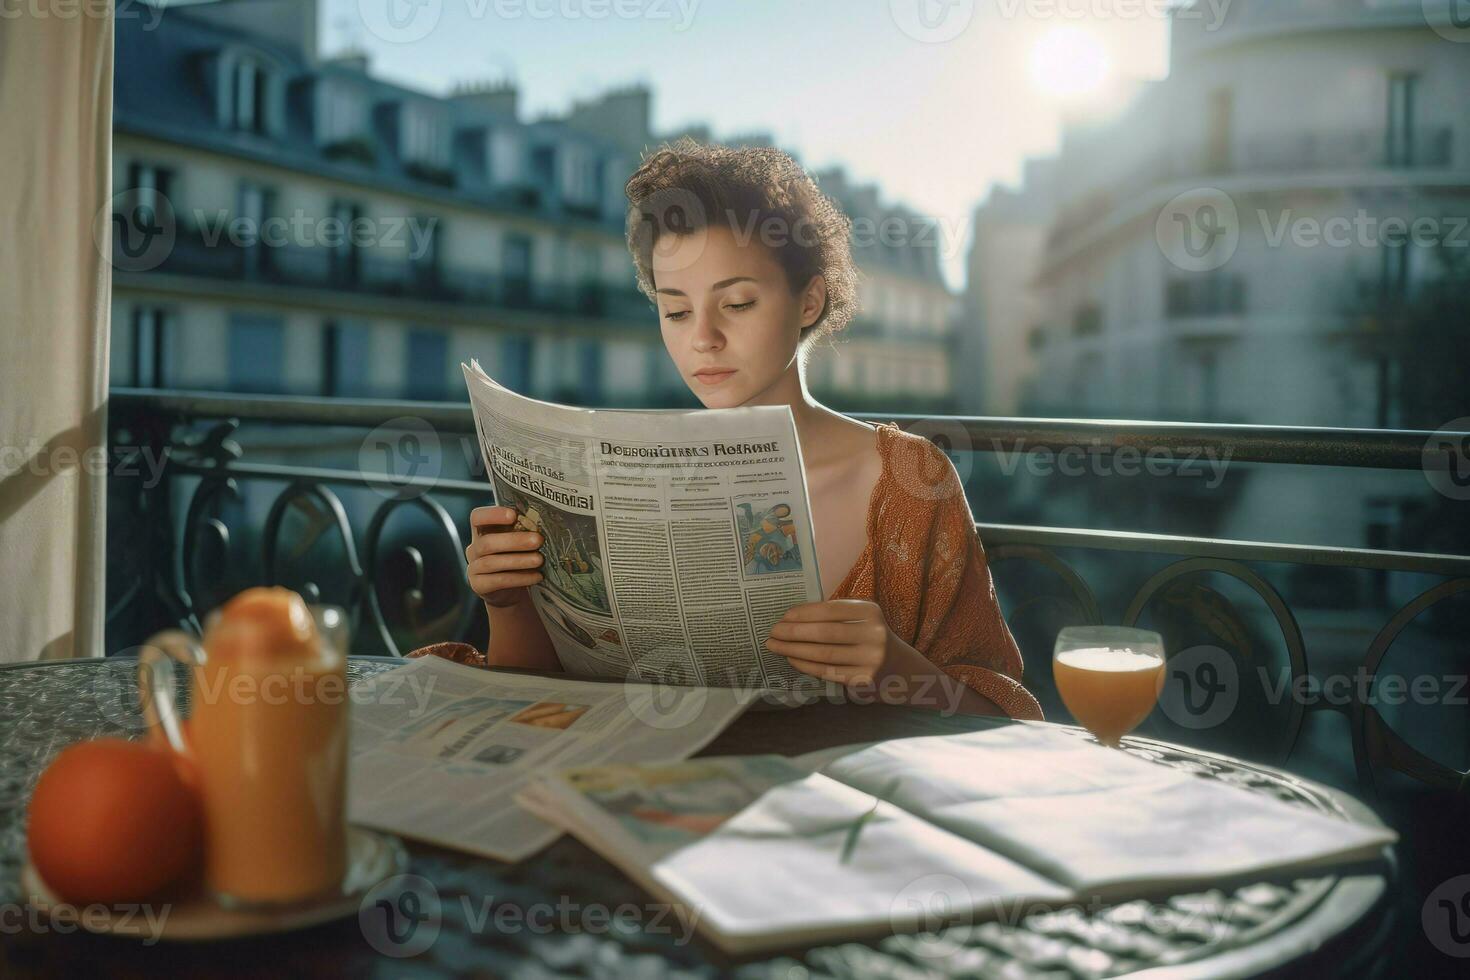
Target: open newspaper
439 749
767 852
674 540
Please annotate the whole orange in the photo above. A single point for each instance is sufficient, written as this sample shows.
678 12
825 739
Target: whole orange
112 821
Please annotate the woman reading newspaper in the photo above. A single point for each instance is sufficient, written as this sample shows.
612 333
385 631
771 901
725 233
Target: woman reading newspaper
749 265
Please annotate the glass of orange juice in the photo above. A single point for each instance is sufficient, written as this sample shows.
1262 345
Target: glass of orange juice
1109 677
268 737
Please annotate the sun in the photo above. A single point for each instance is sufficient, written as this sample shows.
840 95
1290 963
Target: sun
1069 63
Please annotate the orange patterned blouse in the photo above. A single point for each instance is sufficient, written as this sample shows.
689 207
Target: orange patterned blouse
925 568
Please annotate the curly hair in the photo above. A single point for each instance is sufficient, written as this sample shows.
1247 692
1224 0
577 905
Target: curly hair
686 186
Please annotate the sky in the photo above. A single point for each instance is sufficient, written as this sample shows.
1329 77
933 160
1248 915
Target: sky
933 100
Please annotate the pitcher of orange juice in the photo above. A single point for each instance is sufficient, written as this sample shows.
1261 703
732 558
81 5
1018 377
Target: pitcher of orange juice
267 737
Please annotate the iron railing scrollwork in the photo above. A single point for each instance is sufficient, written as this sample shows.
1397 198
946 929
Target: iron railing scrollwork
169 560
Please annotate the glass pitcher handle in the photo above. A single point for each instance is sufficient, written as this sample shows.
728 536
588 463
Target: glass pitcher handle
158 663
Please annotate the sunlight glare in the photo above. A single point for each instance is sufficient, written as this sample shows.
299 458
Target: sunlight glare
1069 63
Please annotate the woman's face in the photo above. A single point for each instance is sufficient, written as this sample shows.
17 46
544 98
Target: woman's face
728 316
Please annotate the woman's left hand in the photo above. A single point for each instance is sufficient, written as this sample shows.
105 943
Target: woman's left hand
842 640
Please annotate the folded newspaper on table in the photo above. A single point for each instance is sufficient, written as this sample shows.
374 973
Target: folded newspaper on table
768 852
439 749
674 540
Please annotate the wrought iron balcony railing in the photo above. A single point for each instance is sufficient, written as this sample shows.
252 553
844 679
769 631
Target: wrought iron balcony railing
193 518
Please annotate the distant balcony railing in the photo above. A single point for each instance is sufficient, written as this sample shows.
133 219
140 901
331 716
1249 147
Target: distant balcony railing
1206 296
1298 153
192 518
342 270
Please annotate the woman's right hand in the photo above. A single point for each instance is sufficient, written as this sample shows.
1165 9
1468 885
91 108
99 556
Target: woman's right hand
502 561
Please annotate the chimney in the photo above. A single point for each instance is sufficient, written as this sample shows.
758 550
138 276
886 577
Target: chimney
620 116
352 60
499 99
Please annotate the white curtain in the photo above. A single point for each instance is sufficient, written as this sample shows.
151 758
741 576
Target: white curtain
55 291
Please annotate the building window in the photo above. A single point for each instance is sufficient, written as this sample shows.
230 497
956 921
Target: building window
543 164
1219 121
428 362
587 270
257 352
1213 294
424 252
1087 321
343 113
1208 385
589 371
507 157
578 177
345 262
1399 135
423 137
1396 262
515 363
252 97
345 365
255 203
516 268
150 347
148 183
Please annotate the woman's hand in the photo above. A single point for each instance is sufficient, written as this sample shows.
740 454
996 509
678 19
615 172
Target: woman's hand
842 640
501 561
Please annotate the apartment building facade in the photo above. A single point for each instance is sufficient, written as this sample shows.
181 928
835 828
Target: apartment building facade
291 224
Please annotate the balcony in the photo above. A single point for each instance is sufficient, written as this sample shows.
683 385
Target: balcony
226 267
1202 31
1287 155
1302 640
196 517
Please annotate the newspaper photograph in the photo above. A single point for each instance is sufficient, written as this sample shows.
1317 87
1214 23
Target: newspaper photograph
673 540
433 730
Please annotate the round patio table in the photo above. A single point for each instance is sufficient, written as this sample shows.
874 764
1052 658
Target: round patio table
1338 922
